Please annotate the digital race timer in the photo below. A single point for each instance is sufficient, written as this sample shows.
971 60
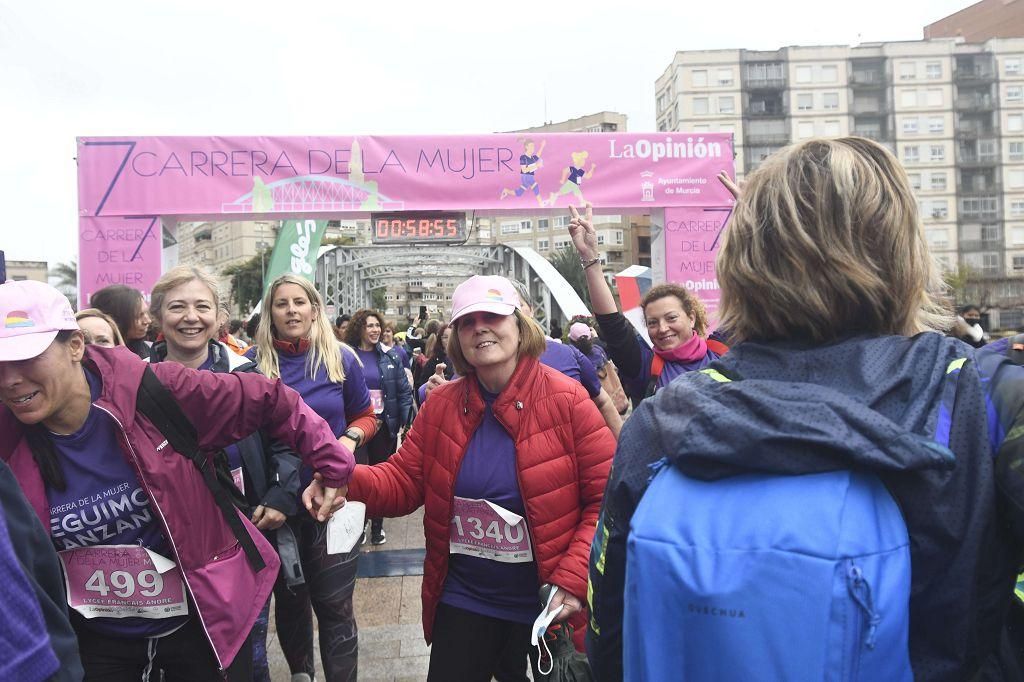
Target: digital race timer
419 227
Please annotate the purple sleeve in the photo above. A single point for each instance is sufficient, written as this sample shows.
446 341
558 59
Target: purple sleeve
588 375
25 652
357 397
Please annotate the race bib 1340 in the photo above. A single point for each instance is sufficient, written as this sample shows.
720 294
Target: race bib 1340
484 529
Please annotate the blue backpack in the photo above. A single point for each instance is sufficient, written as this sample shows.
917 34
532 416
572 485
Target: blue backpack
765 577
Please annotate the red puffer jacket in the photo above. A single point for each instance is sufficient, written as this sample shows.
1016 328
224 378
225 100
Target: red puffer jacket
563 455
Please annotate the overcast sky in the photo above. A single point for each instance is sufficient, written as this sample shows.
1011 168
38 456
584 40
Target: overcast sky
71 68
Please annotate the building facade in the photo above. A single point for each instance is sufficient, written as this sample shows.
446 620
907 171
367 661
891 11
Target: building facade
981 21
952 112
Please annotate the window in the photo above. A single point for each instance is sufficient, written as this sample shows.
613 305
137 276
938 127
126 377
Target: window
663 100
989 233
829 74
911 154
803 74
543 224
725 76
1011 67
600 238
700 79
562 220
525 226
1018 263
915 179
908 98
937 152
616 236
542 244
938 181
1017 236
939 208
562 243
936 124
831 128
700 105
908 71
804 102
1016 177
830 100
910 126
512 228
934 97
1015 123
725 105
1014 93
933 70
937 238
805 129
1017 208
1016 150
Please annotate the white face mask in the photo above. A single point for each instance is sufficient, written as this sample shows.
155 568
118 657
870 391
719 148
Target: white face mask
540 626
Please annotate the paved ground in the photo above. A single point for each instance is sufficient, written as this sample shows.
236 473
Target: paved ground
391 646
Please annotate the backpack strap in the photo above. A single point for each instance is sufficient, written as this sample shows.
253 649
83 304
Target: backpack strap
157 404
717 347
657 365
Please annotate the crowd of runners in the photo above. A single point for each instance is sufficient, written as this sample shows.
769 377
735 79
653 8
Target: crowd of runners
827 485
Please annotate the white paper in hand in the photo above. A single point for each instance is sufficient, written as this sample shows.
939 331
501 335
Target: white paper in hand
346 527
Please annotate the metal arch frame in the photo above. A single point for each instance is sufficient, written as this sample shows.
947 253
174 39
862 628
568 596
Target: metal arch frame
346 276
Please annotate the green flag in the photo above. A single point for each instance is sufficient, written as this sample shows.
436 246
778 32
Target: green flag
295 250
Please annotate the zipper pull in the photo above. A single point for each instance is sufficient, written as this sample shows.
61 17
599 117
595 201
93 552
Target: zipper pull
860 590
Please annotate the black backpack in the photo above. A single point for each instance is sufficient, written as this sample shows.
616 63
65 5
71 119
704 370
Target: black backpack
157 404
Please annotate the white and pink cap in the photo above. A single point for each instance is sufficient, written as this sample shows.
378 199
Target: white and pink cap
31 314
484 293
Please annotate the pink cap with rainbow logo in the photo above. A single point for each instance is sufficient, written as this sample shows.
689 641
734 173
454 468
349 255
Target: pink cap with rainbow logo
31 314
486 293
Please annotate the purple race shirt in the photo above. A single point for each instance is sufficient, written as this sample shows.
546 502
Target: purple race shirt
568 360
104 504
371 372
491 588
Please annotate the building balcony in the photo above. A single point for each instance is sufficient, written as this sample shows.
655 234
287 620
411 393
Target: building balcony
871 134
973 132
985 190
765 84
765 112
979 216
977 160
870 108
867 79
973 75
980 244
766 139
975 103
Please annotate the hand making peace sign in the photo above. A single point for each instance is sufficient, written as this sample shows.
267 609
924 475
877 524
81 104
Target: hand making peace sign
581 229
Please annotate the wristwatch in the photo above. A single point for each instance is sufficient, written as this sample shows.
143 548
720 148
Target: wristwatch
354 435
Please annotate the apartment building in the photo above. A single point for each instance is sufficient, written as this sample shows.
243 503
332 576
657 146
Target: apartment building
981 21
952 111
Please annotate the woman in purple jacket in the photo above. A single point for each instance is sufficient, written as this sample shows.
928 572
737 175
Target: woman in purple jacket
156 576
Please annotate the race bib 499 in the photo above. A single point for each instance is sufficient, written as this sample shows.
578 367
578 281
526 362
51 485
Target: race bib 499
122 581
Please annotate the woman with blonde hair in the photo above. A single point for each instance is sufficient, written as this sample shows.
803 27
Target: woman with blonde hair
99 328
295 343
185 302
509 463
838 370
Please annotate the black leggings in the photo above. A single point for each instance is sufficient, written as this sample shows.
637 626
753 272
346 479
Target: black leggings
184 656
469 647
330 581
378 450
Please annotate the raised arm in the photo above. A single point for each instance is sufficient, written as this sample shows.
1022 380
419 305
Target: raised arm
584 238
